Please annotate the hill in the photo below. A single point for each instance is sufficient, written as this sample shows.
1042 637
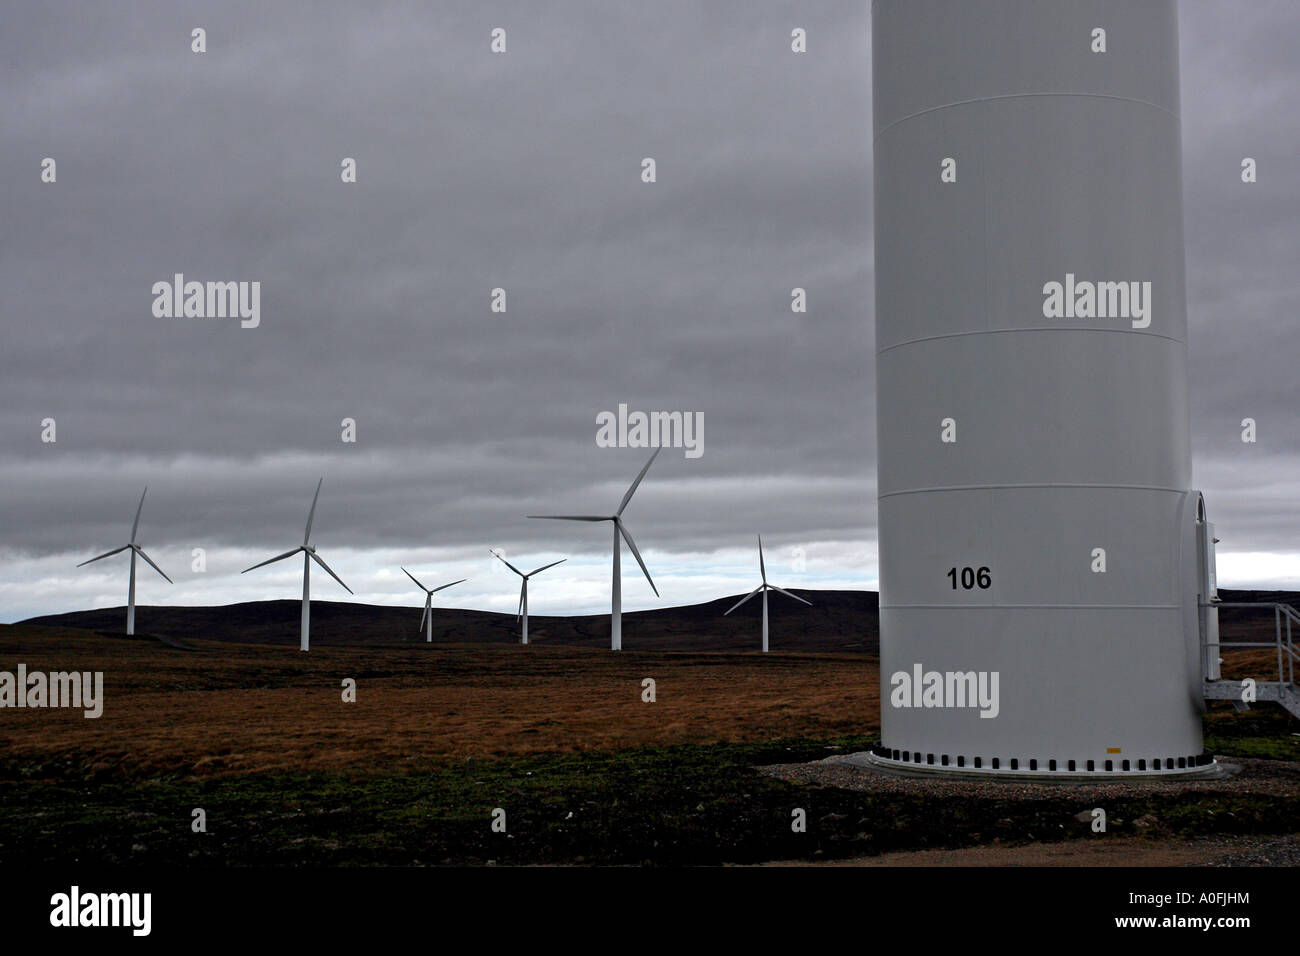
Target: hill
837 621
841 621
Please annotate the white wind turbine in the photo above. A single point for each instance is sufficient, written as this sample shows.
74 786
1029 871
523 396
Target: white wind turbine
428 602
616 599
135 549
523 591
308 556
764 587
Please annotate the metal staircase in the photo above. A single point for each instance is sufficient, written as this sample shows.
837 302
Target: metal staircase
1283 690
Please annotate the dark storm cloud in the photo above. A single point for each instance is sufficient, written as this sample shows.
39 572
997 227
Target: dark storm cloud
522 171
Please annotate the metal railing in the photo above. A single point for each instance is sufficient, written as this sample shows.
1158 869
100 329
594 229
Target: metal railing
1287 654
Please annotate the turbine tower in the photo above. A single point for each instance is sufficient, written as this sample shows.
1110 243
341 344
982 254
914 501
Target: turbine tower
428 603
1021 437
616 598
308 556
764 587
523 591
135 549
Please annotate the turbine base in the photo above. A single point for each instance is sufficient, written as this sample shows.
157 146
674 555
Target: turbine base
917 764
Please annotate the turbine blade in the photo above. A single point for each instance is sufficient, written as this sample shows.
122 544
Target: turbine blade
636 554
445 586
140 551
631 491
106 554
140 507
506 563
520 613
762 568
428 603
306 538
742 600
788 594
573 517
416 580
545 566
319 560
278 557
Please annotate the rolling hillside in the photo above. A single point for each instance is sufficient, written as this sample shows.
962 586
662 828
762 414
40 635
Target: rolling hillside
837 621
844 621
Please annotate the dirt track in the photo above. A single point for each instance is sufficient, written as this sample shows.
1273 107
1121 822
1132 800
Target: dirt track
1100 852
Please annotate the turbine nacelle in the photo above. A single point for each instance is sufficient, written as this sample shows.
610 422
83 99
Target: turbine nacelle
530 573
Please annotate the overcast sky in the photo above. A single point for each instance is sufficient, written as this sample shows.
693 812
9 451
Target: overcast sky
523 171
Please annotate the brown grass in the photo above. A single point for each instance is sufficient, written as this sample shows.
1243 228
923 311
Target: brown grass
1257 663
232 708
226 708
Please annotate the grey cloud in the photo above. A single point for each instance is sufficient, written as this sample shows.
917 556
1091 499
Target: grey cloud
522 171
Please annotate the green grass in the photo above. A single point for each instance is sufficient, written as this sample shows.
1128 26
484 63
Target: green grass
1265 731
661 805
667 805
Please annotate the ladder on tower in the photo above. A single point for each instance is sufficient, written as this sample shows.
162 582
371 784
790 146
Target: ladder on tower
1283 690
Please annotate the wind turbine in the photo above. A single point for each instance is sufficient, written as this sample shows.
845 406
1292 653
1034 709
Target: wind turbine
523 591
428 602
308 556
616 598
764 587
135 549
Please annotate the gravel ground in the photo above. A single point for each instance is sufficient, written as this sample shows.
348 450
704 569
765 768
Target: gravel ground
1273 778
1262 777
1095 852
1262 851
